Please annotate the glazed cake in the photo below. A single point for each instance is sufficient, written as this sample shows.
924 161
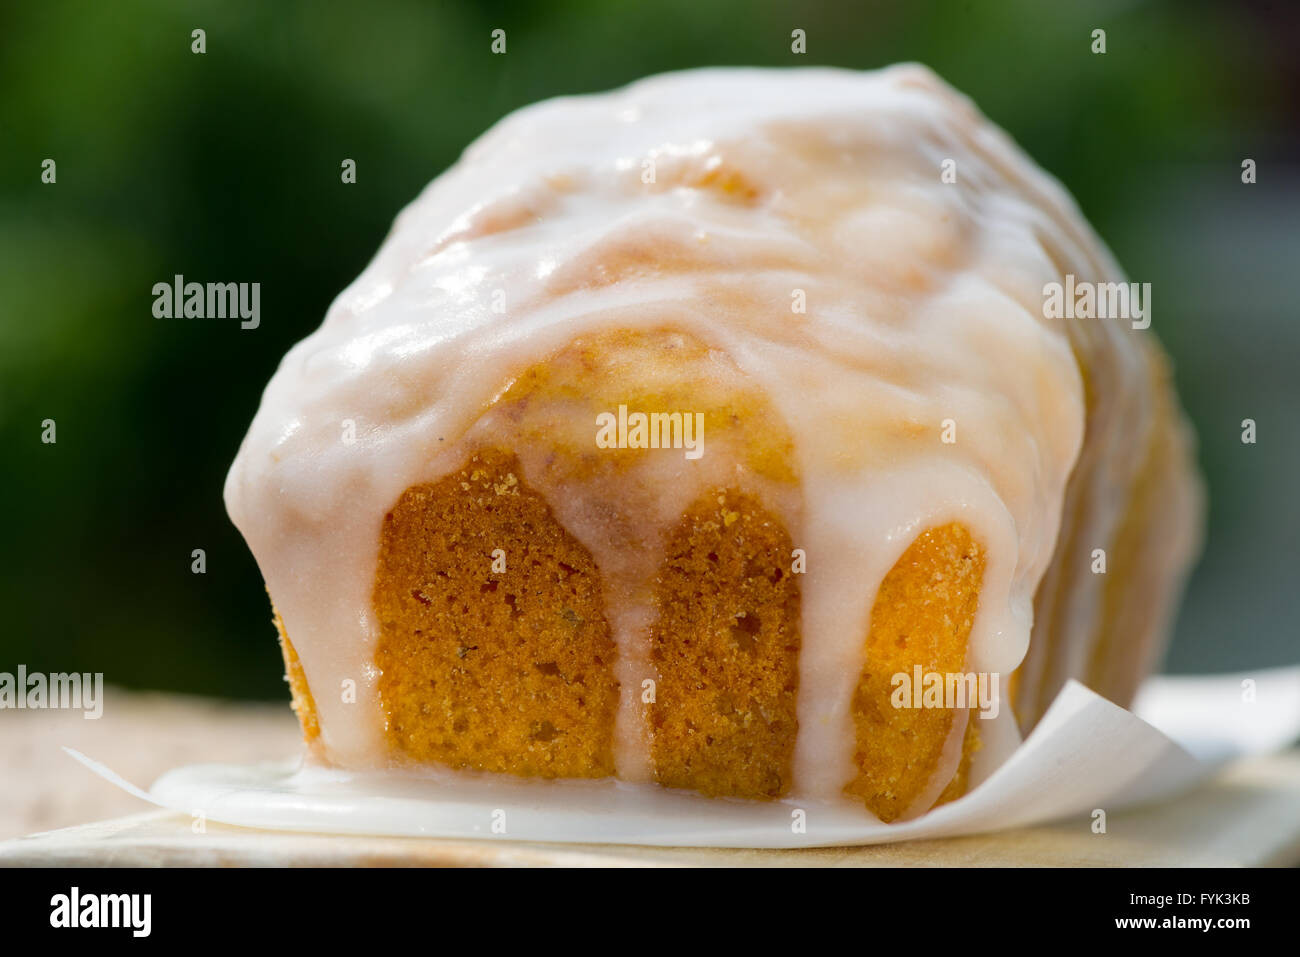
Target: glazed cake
671 425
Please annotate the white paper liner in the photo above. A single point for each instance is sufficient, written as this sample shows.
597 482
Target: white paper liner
1086 753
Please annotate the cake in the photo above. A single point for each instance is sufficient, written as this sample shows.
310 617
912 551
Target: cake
675 432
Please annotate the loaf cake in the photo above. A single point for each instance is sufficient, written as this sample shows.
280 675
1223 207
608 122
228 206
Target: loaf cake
680 434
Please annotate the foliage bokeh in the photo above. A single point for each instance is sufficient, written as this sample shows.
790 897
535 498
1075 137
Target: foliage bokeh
225 166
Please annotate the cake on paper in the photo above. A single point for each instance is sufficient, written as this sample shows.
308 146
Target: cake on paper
684 434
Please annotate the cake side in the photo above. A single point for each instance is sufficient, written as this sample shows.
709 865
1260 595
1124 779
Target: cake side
922 618
494 651
726 642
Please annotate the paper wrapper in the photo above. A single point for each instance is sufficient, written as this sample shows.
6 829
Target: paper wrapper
1085 754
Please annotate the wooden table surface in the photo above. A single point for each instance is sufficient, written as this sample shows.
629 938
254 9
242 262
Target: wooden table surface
1248 816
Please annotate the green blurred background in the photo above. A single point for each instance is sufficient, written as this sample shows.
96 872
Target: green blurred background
225 166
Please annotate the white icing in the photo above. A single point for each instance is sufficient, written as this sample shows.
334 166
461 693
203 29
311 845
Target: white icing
924 303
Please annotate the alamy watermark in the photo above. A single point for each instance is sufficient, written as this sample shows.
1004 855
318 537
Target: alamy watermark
59 691
179 299
651 430
74 909
1098 300
949 690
